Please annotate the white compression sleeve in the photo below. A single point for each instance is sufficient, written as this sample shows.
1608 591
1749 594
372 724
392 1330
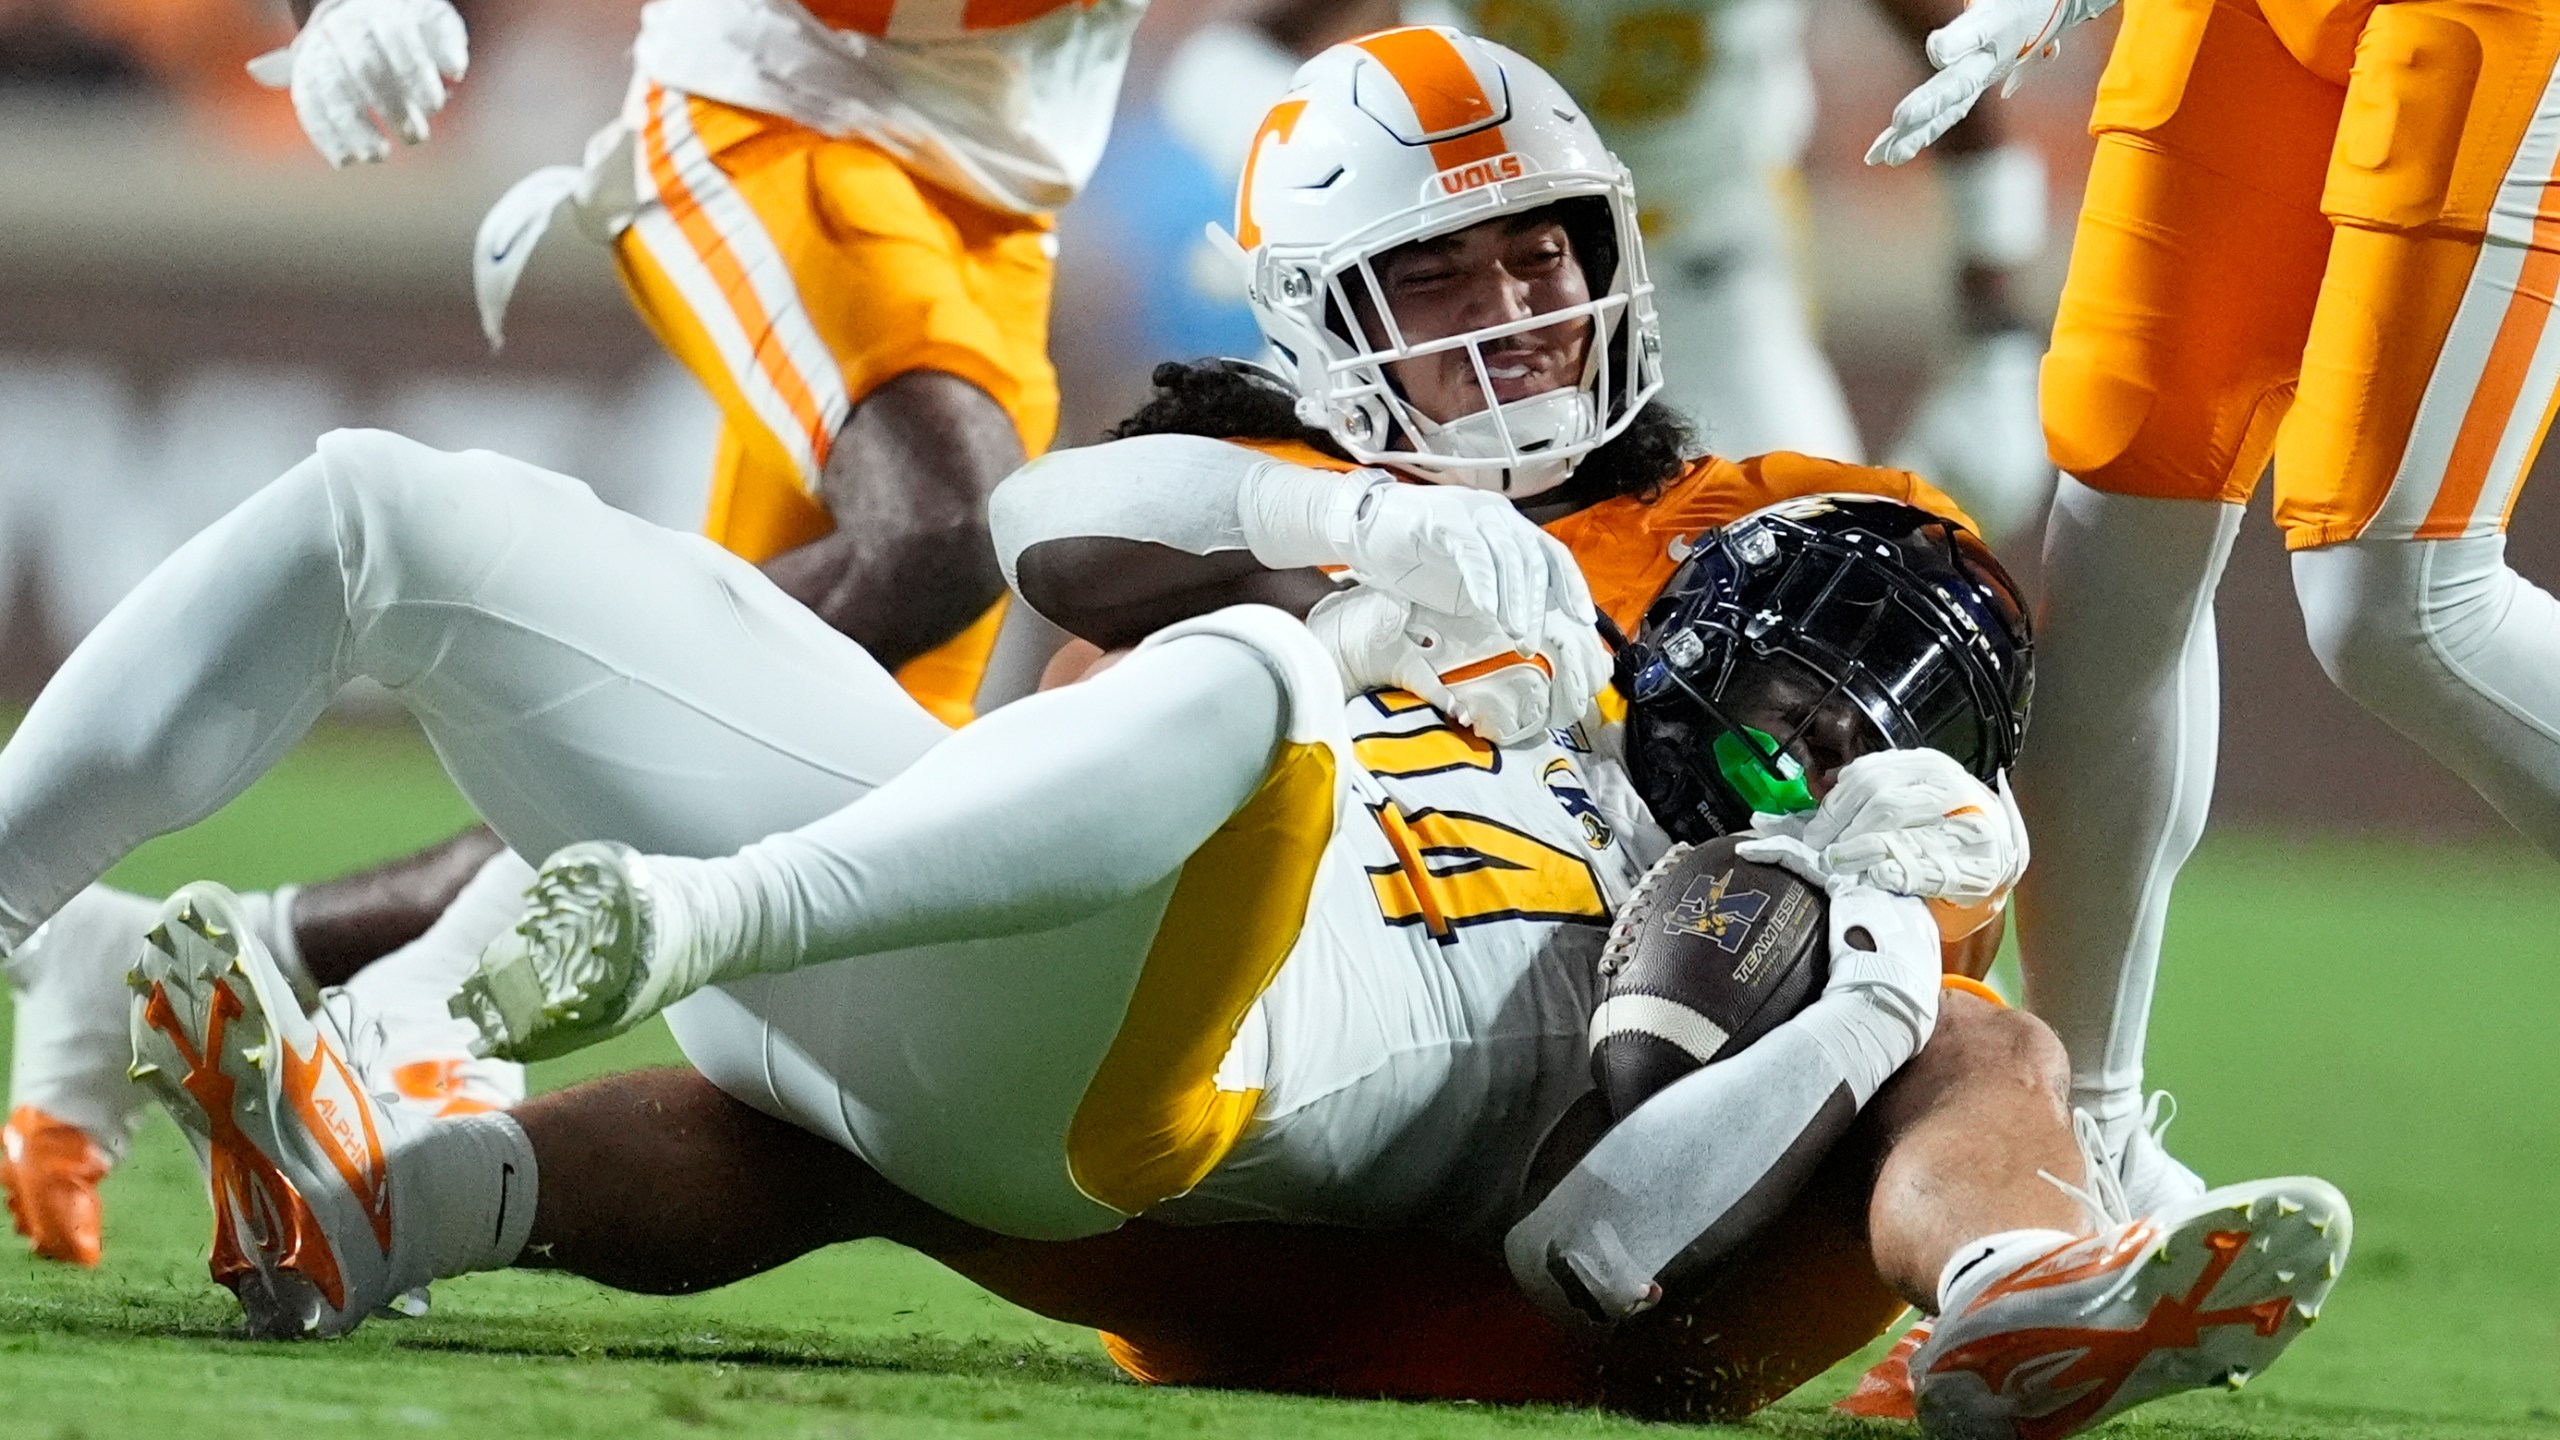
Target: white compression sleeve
2456 651
1182 491
1175 490
1707 1161
2117 785
1044 812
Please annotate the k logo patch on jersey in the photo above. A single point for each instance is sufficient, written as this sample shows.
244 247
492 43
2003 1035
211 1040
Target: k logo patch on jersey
1568 789
1713 911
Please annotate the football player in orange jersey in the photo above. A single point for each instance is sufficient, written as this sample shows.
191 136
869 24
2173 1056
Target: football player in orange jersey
837 215
2326 233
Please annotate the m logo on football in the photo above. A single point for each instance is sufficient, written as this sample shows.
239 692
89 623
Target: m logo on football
1712 912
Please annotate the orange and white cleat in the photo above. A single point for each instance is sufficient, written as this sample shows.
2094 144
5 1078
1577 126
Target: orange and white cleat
294 1149
1884 1392
71 1108
2209 1293
50 1169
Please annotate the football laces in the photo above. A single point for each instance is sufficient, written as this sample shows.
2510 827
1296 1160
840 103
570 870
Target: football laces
1622 930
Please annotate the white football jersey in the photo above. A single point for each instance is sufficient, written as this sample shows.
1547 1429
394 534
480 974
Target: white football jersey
1006 101
1431 1023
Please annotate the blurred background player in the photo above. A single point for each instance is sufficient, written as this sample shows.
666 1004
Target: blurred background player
1711 103
2317 231
838 218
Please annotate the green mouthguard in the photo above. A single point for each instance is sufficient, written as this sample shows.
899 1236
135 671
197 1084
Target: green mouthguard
1763 776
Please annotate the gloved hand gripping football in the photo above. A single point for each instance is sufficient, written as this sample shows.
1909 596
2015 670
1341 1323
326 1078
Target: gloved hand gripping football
1913 822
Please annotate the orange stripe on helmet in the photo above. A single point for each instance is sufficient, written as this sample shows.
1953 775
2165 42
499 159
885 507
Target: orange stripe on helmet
1444 90
1278 125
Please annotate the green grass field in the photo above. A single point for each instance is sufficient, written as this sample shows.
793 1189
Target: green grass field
2379 1013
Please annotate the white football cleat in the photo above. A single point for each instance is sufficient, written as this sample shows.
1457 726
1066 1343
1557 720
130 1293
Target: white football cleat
587 962
71 1106
2153 1179
2209 1293
294 1149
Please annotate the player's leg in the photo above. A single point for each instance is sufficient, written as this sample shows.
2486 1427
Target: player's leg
2055 1308
880 358
964 1070
1049 933
2430 379
340 925
580 672
735 1192
2192 283
71 1110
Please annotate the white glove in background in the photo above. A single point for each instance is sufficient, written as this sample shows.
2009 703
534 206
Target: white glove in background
1913 822
1380 639
1459 551
1989 44
364 69
1979 435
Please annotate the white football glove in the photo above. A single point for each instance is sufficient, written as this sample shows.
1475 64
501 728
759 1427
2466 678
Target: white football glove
1444 547
1913 822
1979 434
1989 44
362 69
1883 943
1462 665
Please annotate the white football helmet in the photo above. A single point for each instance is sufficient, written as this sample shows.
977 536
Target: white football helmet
1416 132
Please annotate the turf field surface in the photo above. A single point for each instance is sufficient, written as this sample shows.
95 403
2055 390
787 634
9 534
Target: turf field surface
2378 1012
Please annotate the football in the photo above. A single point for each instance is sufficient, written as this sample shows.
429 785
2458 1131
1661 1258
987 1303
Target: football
1709 953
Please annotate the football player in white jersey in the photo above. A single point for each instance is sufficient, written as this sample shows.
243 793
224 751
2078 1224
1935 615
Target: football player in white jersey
837 215
1034 1031
1710 103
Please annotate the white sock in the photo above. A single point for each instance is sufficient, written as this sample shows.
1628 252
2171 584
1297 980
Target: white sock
464 1196
1977 1261
2116 783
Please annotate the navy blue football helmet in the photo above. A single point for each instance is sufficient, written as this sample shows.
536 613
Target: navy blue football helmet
1811 632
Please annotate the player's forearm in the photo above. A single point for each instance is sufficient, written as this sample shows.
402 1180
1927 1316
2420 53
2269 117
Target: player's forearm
1690 1174
898 599
1112 542
1705 1162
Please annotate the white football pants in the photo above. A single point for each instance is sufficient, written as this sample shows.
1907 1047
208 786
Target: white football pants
2456 651
583 675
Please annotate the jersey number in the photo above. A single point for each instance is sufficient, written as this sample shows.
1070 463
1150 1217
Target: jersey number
1455 869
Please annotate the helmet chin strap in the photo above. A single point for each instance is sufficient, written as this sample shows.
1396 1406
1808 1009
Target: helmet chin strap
1558 419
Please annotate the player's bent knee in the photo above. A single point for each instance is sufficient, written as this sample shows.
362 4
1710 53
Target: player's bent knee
2113 423
1977 1043
2368 633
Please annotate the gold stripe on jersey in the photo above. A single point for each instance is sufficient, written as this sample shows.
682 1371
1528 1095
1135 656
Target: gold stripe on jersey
1153 1120
1456 869
1441 748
